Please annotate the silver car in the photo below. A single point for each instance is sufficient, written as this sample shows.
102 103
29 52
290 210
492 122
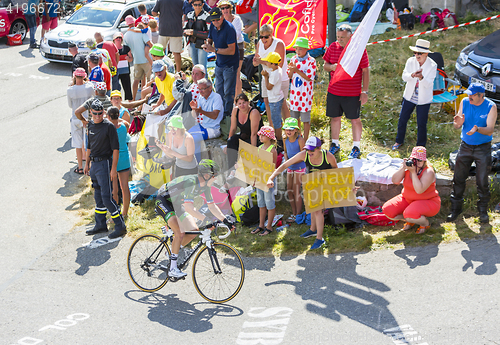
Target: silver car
105 16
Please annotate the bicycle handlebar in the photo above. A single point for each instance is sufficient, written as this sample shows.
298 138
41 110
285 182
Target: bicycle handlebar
219 224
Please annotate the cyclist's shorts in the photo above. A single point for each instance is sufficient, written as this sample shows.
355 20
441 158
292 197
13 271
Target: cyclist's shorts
165 208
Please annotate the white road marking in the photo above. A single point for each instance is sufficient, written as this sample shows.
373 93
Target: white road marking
101 242
270 331
32 64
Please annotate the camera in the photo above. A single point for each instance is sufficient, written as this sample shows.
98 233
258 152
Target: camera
410 162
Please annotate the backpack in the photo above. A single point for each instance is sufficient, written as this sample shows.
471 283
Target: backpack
375 216
136 125
359 10
250 216
344 215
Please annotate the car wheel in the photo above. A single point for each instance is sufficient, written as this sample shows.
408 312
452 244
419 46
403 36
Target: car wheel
19 27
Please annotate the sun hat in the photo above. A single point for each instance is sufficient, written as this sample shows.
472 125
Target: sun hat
215 13
312 143
474 88
302 42
129 20
224 3
157 50
273 57
267 131
115 93
419 152
291 123
90 42
422 46
100 85
80 72
117 34
158 66
176 122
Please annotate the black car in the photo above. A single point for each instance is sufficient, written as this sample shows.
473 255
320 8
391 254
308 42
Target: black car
480 62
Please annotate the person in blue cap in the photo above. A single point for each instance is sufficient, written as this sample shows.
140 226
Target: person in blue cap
476 116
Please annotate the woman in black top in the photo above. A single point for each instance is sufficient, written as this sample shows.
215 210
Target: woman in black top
315 159
196 29
249 121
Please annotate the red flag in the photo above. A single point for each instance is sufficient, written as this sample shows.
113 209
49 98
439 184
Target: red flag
352 53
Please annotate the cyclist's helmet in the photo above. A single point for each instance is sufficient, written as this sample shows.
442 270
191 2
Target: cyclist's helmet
208 167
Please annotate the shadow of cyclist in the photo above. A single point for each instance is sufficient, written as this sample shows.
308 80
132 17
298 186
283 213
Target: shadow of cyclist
182 316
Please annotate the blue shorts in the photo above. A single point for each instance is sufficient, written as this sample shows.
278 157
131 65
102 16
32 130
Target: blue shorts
266 199
276 113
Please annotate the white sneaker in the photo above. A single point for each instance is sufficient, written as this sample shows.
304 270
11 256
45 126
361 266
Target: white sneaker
176 273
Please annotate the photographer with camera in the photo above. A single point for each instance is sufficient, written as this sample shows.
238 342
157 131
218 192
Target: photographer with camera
419 198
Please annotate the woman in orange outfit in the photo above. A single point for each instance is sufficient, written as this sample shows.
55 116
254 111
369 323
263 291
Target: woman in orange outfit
419 198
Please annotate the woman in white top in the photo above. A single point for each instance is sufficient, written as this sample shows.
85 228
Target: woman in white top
227 13
419 74
267 44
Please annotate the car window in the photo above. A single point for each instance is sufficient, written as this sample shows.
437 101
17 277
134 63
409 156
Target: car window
94 16
489 46
149 8
129 12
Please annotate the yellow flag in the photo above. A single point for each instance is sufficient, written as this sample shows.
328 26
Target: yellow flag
157 176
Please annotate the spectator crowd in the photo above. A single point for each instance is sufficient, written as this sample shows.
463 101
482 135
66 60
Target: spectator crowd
146 63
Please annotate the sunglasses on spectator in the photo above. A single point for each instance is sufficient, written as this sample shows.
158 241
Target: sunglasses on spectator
171 128
266 37
225 8
344 29
118 38
418 53
198 5
97 113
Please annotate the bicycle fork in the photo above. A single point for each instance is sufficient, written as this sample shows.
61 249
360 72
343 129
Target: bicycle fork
215 262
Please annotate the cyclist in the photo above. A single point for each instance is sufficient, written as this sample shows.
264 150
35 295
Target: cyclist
175 203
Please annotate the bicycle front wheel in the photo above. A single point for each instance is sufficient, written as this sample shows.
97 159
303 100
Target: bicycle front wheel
148 263
218 273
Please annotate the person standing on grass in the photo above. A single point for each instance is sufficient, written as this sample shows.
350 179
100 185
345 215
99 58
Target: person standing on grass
222 41
302 71
271 73
315 159
196 29
476 116
419 74
123 166
100 164
294 143
346 96
169 13
266 200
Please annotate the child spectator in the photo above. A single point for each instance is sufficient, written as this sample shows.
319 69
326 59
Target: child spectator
153 27
272 77
294 143
123 166
265 200
302 71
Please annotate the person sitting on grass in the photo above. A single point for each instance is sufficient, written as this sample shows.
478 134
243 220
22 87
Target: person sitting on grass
315 159
265 200
419 198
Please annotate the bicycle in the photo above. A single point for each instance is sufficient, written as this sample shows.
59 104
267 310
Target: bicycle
218 271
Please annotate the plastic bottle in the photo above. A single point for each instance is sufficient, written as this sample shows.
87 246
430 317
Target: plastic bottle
283 227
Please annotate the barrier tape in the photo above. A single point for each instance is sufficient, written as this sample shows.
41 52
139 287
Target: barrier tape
436 30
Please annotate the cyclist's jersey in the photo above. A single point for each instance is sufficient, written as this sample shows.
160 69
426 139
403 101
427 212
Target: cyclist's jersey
184 189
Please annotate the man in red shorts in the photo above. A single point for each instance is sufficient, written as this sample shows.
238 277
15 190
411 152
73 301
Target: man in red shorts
51 10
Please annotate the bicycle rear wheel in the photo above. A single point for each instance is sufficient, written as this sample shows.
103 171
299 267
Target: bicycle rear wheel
148 262
220 280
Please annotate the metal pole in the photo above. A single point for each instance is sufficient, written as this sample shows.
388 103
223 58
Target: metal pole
332 21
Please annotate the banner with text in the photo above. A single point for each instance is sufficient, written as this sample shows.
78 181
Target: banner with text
254 165
296 18
328 189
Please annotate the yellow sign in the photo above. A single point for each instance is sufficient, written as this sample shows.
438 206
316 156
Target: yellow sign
328 189
157 176
255 165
